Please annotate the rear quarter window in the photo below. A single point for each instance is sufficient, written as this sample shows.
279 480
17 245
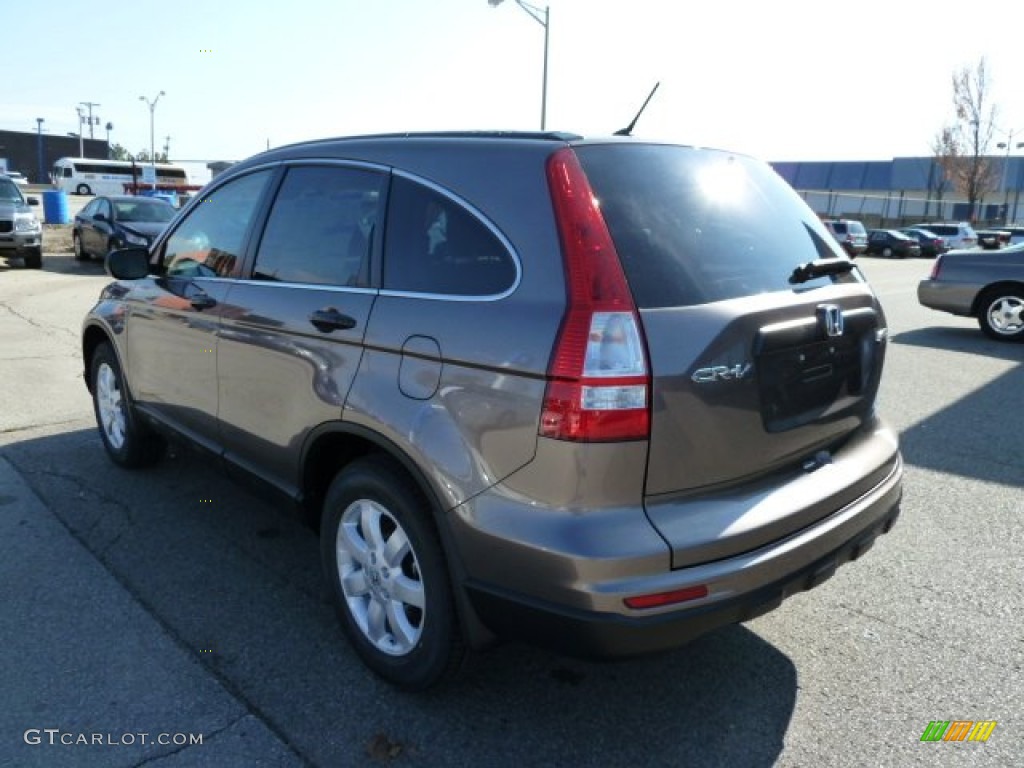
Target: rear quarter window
693 226
435 245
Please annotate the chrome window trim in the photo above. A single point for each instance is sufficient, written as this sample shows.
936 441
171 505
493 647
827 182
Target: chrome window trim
429 296
304 286
480 217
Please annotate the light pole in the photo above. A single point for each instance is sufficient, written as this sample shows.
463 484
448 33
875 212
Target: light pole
39 148
110 127
152 138
543 17
1007 145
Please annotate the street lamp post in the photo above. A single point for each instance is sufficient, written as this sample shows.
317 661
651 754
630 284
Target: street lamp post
39 149
1007 145
152 137
543 17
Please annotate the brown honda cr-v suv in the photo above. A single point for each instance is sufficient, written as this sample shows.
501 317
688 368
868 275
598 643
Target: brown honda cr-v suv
601 394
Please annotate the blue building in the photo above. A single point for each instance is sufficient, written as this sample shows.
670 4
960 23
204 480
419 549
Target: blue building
903 189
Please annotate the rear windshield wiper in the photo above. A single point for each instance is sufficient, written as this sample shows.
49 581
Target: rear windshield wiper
820 268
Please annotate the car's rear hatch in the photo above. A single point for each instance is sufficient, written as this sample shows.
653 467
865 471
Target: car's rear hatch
759 376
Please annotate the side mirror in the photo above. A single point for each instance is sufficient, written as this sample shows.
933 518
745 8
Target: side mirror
128 263
100 217
33 201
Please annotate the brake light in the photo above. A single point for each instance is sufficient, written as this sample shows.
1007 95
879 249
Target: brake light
935 268
598 382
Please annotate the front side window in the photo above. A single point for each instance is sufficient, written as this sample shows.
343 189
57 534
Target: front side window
209 241
434 245
321 227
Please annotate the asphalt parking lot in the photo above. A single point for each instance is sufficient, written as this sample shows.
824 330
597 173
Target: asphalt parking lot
173 603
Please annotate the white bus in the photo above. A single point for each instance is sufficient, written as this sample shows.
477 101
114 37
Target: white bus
91 176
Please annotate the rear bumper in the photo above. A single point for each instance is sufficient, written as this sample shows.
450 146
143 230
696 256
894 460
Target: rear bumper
955 298
563 583
593 635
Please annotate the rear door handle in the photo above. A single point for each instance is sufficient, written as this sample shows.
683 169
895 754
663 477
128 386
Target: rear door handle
327 320
202 301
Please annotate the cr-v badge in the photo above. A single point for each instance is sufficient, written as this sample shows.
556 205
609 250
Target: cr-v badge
721 373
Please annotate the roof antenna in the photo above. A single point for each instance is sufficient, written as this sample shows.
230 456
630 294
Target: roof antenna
628 130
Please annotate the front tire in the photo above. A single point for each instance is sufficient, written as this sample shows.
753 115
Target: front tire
129 442
76 241
34 259
887 253
83 189
386 571
1001 314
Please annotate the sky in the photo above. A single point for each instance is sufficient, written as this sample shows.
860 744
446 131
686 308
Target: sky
785 80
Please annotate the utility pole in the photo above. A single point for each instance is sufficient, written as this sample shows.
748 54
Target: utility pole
92 122
39 148
81 138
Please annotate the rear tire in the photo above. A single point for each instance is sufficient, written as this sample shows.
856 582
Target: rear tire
1001 314
128 441
887 253
386 571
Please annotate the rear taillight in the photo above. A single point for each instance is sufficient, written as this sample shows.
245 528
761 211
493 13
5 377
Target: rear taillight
598 382
935 268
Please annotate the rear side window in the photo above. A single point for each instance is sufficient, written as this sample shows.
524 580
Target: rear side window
693 226
839 228
321 227
434 245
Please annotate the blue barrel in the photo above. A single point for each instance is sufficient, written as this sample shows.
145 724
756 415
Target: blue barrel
55 207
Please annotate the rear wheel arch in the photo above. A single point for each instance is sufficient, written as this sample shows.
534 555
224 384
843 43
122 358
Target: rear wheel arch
1000 311
983 295
333 446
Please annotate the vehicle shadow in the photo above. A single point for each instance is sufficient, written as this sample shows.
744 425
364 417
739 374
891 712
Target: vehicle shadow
60 263
226 574
967 340
978 435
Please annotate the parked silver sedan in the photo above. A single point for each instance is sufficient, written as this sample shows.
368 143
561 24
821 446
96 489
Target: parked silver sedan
988 285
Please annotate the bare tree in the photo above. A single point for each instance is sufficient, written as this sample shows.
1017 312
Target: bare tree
960 148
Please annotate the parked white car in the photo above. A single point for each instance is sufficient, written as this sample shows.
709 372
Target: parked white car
17 178
956 235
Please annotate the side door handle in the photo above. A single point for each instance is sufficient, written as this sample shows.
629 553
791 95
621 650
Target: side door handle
330 319
202 301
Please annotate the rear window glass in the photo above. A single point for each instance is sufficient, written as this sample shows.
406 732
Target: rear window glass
693 226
